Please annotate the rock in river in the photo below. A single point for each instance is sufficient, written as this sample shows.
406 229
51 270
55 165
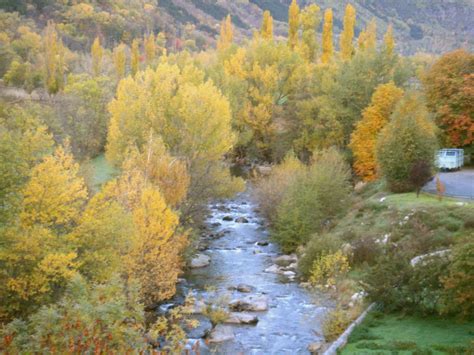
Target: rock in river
241 318
221 333
242 220
203 329
252 303
242 288
200 260
228 218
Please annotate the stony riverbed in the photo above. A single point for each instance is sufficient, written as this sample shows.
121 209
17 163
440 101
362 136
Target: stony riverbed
236 240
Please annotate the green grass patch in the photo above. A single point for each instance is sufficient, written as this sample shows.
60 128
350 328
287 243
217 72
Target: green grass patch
409 200
99 171
394 334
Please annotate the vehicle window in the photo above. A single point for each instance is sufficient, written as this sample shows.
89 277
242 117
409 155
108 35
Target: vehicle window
450 154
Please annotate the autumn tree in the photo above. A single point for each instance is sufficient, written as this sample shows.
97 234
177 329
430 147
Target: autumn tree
226 35
389 40
347 36
293 24
409 137
135 56
374 118
328 47
310 19
97 53
189 114
371 35
448 85
267 26
120 60
150 48
54 64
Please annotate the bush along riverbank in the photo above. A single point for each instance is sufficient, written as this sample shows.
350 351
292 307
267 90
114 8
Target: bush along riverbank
408 254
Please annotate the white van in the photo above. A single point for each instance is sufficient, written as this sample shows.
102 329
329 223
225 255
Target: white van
450 159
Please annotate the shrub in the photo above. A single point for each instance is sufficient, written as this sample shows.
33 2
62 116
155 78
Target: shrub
98 319
458 283
420 174
328 268
270 191
398 286
365 250
335 323
408 138
319 244
313 200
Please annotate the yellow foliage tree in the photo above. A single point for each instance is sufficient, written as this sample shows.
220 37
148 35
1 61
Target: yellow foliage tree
120 60
155 258
97 53
347 36
328 47
54 65
374 118
55 194
226 34
293 24
310 19
389 40
135 56
150 48
371 35
267 26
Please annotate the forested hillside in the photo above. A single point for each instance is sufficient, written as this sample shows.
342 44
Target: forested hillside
157 156
432 26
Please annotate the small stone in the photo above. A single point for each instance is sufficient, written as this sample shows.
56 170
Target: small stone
242 220
216 224
241 318
200 260
228 218
314 348
262 243
221 333
274 269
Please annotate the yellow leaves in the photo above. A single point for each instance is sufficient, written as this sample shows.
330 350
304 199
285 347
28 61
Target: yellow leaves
54 63
328 268
234 66
226 34
97 53
328 47
55 194
267 26
389 40
347 48
135 56
374 118
150 48
58 267
293 24
120 60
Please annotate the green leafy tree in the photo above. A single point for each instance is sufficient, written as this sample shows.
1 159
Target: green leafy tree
409 137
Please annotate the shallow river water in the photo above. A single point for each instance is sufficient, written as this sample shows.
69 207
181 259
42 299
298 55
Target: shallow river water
294 317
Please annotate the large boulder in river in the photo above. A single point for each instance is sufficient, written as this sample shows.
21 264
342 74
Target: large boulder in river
228 218
285 260
274 269
241 318
200 260
252 303
220 334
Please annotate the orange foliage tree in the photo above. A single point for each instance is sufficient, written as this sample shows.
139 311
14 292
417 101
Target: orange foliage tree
374 118
449 87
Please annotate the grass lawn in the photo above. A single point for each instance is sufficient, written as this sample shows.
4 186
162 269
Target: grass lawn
101 171
395 334
409 200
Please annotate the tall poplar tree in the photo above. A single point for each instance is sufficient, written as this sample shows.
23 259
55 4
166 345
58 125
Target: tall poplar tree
53 59
389 40
310 19
328 47
120 60
293 24
267 26
97 53
347 36
135 56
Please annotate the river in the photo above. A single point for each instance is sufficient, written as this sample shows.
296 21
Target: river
294 316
